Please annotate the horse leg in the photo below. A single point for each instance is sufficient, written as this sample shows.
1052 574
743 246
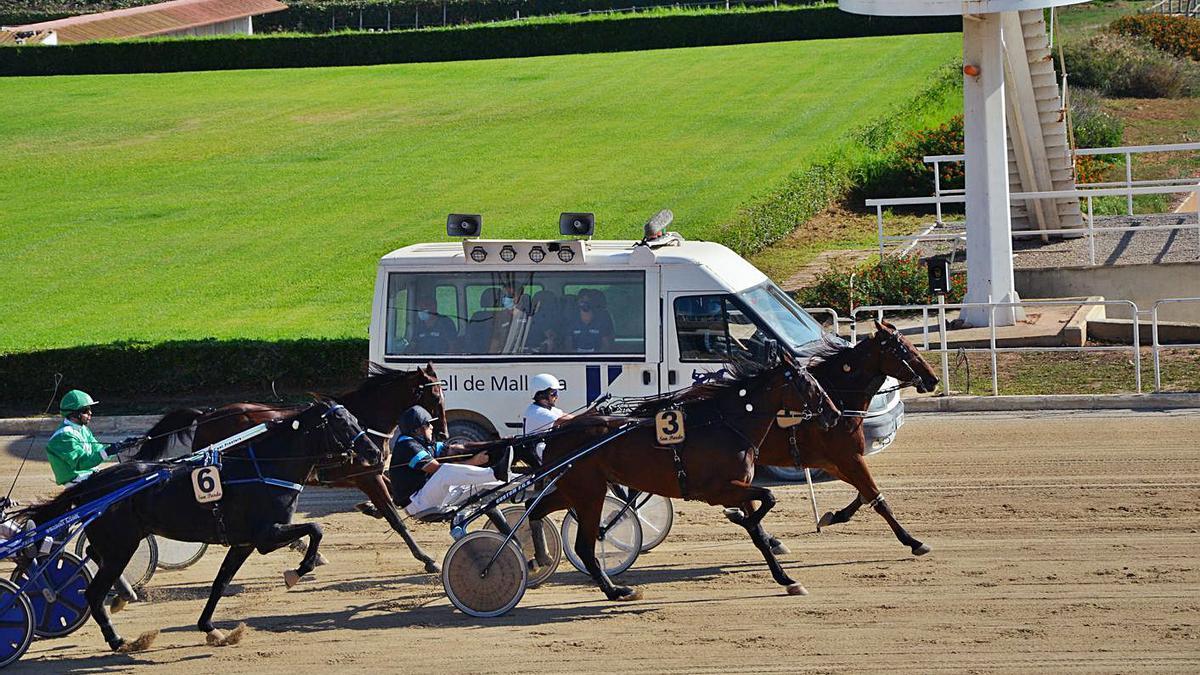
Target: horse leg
841 516
736 515
374 487
588 511
125 592
752 522
229 567
857 474
549 504
110 567
279 535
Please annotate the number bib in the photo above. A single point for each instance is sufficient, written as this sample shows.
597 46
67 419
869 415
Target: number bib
206 482
668 425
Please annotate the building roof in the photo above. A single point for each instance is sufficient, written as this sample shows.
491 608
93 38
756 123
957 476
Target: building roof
150 20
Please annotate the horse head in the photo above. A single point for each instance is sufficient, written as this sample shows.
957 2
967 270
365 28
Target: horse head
342 441
898 358
431 397
804 392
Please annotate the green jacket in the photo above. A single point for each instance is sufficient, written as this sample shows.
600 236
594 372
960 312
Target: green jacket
73 452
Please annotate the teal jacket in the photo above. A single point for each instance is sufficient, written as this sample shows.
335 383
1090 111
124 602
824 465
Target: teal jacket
73 452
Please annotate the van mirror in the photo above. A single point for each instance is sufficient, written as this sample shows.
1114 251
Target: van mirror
464 224
577 224
770 352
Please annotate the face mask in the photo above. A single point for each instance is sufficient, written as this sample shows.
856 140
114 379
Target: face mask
506 302
585 307
423 315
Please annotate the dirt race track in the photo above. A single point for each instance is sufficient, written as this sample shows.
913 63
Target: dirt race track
1065 542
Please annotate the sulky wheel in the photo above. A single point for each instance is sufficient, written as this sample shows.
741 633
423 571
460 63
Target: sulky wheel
59 607
475 588
656 515
618 546
141 566
178 555
16 623
553 543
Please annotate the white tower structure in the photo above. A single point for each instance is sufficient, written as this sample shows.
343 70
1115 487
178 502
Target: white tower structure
989 228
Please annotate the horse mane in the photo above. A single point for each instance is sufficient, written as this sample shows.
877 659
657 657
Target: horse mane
740 370
828 349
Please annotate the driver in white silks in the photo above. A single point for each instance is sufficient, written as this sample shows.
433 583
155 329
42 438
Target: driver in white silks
421 484
544 412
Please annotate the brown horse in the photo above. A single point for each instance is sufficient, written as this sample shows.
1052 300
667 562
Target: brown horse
723 424
851 375
377 403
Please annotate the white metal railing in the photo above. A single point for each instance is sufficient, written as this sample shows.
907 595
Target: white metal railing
1154 337
1184 7
826 311
1087 195
993 349
1126 151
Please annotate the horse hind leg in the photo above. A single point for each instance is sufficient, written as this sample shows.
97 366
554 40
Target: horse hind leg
857 474
118 549
588 513
737 515
881 507
376 489
842 515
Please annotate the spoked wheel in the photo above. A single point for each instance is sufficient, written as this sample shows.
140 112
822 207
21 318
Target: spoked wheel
178 555
655 512
478 592
619 544
59 607
141 566
525 535
16 623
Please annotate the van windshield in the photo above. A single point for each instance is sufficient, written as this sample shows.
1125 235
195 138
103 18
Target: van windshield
780 312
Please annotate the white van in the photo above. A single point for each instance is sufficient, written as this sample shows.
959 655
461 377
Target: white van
630 318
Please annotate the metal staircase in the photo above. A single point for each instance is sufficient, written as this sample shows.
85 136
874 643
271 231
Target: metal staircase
1039 154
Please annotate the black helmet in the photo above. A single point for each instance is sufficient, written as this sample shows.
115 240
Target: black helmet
414 418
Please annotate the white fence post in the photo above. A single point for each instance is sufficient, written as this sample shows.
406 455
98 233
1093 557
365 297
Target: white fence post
945 343
1128 184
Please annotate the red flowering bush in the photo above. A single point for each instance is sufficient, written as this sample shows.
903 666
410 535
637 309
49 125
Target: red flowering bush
892 281
1178 35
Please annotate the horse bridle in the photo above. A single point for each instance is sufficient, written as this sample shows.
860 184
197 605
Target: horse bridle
343 452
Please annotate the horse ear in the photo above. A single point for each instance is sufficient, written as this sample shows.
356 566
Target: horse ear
890 327
429 369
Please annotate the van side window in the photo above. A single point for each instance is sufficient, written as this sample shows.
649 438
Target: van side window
714 328
555 313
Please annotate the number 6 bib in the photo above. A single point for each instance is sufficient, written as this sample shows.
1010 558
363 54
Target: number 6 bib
206 482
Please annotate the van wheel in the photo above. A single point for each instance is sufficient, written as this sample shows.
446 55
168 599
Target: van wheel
462 431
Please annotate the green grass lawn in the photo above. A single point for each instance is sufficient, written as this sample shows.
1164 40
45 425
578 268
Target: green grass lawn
256 203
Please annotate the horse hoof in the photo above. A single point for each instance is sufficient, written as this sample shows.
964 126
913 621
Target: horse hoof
797 589
118 603
826 520
215 638
116 644
533 567
734 515
291 578
632 595
141 644
780 549
433 568
921 550
298 546
321 560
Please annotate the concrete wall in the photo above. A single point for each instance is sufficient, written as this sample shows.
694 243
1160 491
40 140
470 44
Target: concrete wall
242 26
1142 284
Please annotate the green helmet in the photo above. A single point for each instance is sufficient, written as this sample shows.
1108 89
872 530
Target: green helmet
74 401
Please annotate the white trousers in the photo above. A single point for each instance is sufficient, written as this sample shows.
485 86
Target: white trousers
451 484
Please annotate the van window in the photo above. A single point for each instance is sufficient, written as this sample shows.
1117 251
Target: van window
714 328
560 313
780 312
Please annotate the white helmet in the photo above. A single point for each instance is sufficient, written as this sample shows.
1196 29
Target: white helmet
542 382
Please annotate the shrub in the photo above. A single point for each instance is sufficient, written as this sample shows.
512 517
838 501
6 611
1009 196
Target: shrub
480 41
1178 35
901 170
1122 65
1093 127
891 281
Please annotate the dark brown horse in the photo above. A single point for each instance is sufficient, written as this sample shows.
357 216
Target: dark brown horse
723 423
851 375
377 403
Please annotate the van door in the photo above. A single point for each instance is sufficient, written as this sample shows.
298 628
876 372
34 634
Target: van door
695 337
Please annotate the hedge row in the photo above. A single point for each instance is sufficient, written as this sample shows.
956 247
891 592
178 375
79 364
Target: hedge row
601 34
141 370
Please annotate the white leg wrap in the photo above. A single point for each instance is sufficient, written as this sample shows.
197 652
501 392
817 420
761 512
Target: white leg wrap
874 502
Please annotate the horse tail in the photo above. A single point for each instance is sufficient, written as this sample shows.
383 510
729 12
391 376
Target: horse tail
177 424
95 486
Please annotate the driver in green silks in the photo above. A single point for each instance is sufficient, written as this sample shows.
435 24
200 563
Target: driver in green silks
74 454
